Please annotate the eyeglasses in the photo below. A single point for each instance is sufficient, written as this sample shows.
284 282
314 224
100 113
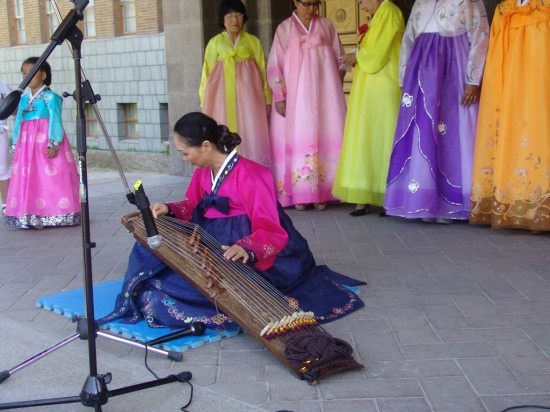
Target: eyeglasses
309 3
235 16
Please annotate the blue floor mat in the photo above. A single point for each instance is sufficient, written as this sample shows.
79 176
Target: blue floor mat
71 303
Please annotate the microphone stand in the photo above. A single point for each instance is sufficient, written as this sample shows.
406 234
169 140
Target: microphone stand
94 393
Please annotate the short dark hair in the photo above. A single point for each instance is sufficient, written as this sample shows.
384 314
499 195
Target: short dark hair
228 6
196 127
44 66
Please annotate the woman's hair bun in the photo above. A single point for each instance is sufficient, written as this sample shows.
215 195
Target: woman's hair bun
227 140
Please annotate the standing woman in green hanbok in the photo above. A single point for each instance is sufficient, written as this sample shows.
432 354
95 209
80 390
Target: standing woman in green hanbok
234 89
372 109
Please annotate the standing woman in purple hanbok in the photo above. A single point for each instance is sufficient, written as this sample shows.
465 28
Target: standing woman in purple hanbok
309 110
234 89
44 186
441 66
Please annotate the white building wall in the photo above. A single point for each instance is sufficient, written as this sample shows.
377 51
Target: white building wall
129 69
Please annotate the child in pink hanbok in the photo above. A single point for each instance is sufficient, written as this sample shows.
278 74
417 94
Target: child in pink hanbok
44 186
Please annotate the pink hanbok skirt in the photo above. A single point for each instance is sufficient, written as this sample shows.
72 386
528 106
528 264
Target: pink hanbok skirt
252 125
42 191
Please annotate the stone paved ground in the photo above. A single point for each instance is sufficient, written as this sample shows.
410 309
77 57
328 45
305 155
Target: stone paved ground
457 318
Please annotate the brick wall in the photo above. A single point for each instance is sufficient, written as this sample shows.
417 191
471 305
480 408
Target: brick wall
107 16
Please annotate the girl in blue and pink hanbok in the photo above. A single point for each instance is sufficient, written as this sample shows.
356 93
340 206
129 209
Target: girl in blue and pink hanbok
44 186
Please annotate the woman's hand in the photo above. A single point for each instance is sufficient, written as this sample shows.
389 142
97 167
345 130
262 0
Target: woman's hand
349 59
159 210
280 107
235 252
470 96
51 153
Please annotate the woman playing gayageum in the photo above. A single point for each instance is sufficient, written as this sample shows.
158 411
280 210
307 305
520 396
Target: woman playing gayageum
233 199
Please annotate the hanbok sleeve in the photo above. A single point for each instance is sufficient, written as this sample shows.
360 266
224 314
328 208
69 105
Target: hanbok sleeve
267 237
374 50
259 58
337 47
407 43
478 35
210 58
18 119
275 64
54 103
183 209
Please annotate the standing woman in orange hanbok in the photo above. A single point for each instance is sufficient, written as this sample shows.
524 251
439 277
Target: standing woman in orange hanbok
511 176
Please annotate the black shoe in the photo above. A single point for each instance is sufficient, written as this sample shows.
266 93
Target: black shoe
382 213
361 211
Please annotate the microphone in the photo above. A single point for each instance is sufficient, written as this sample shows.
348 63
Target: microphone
142 202
197 329
9 104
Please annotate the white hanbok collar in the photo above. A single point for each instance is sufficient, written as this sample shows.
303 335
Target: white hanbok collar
222 169
32 97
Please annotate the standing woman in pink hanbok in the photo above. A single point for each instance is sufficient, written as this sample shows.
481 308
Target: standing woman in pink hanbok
234 89
307 122
44 186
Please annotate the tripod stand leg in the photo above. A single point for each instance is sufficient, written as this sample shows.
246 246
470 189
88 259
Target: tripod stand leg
7 373
172 355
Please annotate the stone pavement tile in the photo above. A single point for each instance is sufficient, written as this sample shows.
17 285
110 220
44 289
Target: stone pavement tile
527 280
474 304
536 383
500 402
508 320
247 357
48 322
540 335
372 346
350 405
413 369
9 296
24 315
383 278
484 366
537 295
294 406
482 335
292 390
523 356
440 287
501 292
451 394
371 388
401 405
525 307
438 263
253 393
371 325
443 322
448 351
414 331
242 373
497 384
449 309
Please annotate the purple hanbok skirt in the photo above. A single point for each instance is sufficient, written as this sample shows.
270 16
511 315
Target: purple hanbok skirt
430 168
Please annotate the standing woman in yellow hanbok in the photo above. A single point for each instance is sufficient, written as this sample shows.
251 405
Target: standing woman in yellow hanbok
511 176
372 109
234 89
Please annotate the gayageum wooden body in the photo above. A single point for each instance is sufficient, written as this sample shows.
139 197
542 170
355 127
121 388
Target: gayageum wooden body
292 336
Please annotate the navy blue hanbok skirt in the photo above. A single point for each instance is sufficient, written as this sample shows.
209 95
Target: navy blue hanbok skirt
154 292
